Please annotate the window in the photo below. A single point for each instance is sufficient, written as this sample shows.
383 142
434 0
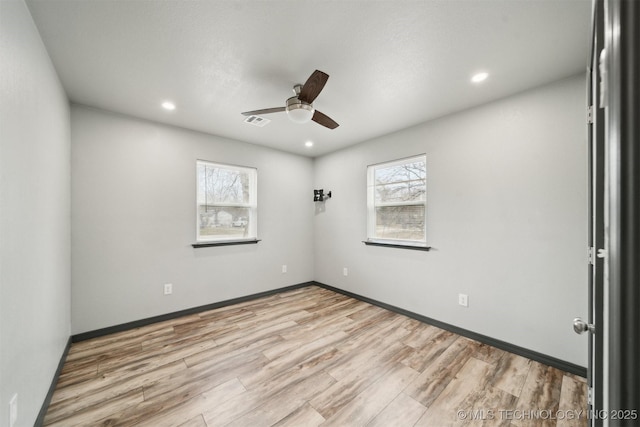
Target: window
226 202
397 202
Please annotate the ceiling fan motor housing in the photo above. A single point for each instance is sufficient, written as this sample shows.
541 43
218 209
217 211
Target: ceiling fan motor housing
299 111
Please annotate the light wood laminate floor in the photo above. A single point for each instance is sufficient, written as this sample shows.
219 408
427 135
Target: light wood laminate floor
306 357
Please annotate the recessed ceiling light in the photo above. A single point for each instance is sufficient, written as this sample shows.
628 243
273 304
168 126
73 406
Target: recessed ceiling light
167 105
480 77
308 144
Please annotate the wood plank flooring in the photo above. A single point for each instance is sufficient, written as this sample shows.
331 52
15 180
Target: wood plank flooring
307 357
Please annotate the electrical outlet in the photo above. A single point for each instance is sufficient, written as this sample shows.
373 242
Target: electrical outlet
13 410
168 288
345 271
284 268
463 300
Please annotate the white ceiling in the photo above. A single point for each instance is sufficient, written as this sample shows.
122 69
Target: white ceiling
392 64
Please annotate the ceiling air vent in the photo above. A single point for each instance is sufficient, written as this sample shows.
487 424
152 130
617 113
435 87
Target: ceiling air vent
257 121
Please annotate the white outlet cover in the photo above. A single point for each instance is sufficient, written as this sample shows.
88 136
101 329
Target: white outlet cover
463 300
284 268
345 271
168 288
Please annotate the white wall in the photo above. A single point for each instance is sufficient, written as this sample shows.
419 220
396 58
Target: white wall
133 210
506 216
34 216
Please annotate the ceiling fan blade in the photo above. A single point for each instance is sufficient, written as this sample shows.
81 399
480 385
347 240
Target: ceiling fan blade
324 120
313 86
264 111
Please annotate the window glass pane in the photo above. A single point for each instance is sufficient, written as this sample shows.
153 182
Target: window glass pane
414 170
223 222
218 185
400 222
401 192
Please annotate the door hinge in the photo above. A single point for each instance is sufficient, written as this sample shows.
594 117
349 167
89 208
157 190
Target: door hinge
592 261
590 396
590 114
602 66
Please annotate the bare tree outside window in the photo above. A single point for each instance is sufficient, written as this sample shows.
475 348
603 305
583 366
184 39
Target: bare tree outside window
397 200
226 202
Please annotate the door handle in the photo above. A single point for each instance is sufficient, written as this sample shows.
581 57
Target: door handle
580 326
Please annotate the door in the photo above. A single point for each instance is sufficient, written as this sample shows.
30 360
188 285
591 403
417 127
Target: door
596 147
622 209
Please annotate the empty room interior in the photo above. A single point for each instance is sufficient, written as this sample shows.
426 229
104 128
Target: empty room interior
294 213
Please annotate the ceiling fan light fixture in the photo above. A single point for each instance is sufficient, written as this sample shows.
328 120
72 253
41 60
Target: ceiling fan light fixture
299 111
299 107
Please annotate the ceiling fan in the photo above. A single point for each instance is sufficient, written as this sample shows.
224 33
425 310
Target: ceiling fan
299 107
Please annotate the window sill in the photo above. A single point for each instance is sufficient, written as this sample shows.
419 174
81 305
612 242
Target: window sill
225 243
396 245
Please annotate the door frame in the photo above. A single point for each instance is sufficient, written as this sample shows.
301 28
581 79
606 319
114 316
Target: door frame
622 227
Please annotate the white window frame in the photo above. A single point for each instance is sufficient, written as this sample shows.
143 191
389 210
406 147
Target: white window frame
252 204
372 204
